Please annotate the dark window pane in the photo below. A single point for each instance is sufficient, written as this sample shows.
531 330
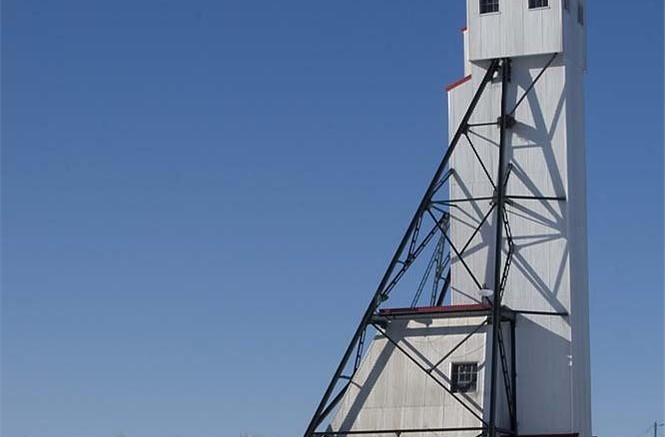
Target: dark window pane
538 4
580 14
487 6
464 377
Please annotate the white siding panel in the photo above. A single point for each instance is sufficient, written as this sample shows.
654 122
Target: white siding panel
549 271
515 30
390 392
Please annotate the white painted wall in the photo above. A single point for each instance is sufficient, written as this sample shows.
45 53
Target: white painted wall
574 35
390 392
549 272
515 30
467 62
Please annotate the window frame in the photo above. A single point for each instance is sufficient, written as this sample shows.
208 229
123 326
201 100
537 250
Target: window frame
540 6
495 6
468 370
566 5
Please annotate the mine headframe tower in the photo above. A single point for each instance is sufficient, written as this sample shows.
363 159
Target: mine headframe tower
519 89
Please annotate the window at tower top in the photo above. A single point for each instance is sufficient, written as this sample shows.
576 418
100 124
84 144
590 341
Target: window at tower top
489 6
533 4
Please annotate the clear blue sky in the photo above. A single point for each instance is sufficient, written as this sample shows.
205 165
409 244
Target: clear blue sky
200 196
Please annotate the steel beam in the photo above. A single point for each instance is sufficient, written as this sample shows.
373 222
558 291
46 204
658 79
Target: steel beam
500 205
396 432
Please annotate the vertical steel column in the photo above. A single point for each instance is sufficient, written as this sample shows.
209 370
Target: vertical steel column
500 204
513 377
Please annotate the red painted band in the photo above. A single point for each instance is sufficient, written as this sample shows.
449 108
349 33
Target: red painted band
550 435
458 83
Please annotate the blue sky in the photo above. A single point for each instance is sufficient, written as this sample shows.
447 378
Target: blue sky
199 197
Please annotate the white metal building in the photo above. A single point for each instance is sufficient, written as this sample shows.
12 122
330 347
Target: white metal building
427 370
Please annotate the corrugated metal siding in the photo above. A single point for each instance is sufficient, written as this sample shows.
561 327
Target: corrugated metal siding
515 30
390 392
549 272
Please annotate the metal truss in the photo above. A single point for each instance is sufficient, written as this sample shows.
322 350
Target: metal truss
430 224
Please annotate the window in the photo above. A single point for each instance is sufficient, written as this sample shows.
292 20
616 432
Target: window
464 377
580 14
488 6
533 4
566 5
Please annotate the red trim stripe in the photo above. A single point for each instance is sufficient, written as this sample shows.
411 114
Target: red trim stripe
550 435
458 83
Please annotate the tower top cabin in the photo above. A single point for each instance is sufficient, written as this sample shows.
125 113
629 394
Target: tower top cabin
514 28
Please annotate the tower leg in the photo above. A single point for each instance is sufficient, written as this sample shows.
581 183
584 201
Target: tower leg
500 205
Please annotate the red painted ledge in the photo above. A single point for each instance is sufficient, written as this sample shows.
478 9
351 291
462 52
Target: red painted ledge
458 83
550 435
